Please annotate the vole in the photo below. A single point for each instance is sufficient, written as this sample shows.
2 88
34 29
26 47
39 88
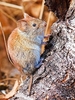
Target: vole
24 44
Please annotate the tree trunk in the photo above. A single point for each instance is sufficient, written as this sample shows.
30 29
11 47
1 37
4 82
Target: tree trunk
55 79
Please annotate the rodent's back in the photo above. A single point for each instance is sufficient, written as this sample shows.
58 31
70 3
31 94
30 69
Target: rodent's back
24 43
25 53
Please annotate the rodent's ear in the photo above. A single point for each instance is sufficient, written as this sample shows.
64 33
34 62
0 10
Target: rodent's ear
27 17
21 24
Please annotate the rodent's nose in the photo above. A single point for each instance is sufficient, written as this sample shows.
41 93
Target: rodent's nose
43 24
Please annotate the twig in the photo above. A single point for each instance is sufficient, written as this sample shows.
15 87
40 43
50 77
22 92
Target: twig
12 92
5 44
29 0
8 79
48 21
42 10
8 16
46 39
10 5
26 0
23 10
0 70
22 7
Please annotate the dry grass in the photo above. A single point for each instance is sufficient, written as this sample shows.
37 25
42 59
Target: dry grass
10 12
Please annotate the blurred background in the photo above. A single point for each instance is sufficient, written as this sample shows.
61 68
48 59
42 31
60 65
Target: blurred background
10 12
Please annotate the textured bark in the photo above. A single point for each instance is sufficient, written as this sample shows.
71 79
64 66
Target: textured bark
60 7
55 79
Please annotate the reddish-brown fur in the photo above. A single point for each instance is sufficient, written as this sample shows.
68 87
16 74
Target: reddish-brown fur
24 43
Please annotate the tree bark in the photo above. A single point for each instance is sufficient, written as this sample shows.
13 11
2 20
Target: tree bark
60 7
55 79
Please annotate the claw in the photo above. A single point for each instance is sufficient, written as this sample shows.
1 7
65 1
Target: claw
47 36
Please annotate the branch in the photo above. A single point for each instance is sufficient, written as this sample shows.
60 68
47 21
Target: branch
10 5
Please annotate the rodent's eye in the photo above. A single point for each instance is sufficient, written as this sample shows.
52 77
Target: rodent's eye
34 25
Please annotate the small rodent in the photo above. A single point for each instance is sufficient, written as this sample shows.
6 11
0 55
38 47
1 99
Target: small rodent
24 44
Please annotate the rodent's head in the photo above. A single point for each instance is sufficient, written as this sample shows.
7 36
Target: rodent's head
32 26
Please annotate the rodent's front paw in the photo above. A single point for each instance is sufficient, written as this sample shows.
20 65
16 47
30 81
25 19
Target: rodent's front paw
40 63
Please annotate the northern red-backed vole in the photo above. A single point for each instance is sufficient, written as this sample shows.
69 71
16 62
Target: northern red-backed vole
24 44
